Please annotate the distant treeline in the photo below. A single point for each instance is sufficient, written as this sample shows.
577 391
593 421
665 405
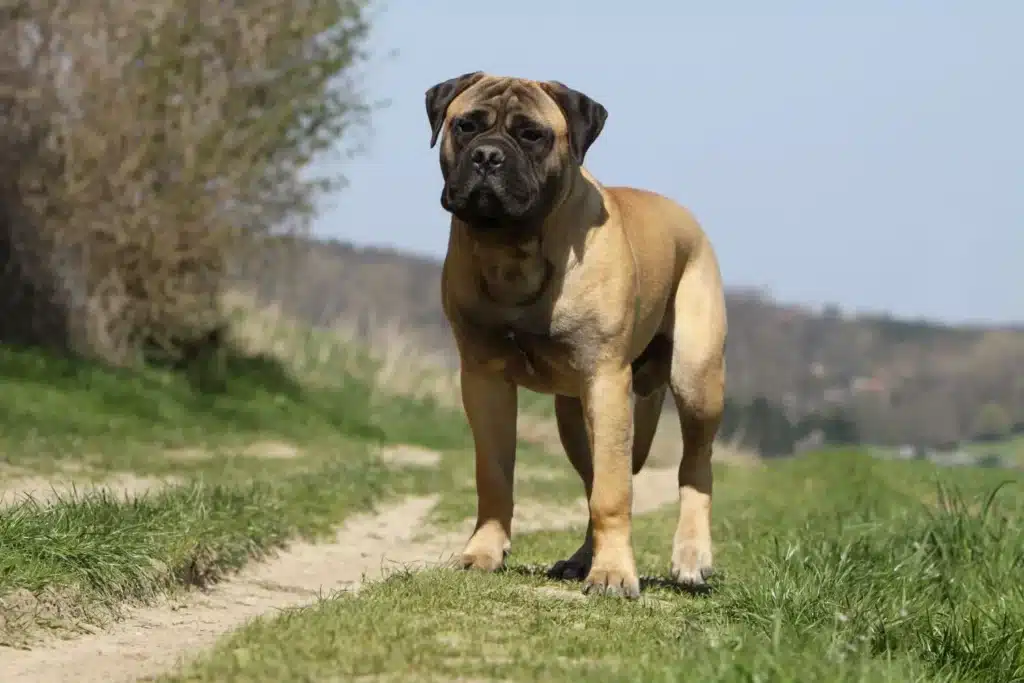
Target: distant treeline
764 426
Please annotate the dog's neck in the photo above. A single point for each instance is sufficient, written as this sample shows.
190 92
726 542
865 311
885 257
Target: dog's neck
512 265
512 272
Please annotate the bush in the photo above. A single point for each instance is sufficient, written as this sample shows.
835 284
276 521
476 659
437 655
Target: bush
760 425
146 146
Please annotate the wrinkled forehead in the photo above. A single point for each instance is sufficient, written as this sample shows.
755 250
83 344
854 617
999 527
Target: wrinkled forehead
506 96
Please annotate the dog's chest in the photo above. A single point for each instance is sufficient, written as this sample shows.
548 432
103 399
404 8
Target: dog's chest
543 363
539 327
542 349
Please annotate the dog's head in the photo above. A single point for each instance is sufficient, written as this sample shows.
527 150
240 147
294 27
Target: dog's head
509 145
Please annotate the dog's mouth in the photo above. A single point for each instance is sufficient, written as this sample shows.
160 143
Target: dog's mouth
483 199
485 202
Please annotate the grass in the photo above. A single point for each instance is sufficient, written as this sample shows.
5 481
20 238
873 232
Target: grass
92 553
832 567
83 555
74 560
57 409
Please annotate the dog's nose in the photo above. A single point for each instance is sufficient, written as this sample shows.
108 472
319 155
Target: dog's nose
488 157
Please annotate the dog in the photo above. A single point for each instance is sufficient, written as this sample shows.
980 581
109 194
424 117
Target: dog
605 297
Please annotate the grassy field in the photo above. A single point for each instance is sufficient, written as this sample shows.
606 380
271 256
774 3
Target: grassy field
253 458
832 567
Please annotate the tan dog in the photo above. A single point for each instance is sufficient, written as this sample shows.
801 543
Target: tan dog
602 296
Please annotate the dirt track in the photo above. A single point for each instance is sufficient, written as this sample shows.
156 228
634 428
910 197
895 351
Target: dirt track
14 489
156 639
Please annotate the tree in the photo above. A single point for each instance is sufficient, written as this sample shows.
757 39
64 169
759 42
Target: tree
148 145
836 427
766 428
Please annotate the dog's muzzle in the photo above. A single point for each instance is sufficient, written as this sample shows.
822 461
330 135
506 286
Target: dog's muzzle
490 184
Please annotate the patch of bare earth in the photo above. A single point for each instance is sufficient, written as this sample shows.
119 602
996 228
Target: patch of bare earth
156 639
404 455
49 489
60 612
274 450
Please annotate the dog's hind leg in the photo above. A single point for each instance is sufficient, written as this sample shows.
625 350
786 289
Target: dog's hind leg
572 430
650 381
698 387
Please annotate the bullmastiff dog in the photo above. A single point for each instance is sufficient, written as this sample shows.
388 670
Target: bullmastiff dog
605 297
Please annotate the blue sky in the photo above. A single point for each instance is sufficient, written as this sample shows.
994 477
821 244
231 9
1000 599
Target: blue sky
872 158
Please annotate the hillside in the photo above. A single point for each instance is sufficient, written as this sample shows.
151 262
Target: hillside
900 381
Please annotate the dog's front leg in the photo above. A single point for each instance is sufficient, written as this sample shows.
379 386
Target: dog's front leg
607 405
491 408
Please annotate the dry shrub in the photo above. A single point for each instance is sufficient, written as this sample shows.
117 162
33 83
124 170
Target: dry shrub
145 145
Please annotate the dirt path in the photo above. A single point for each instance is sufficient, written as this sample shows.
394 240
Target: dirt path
156 639
14 489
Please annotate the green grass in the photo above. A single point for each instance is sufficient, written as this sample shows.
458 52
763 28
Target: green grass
831 567
57 409
835 566
83 555
75 560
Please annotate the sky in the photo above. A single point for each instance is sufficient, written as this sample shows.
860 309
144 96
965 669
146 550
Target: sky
872 158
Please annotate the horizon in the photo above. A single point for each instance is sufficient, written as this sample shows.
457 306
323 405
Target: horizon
773 126
845 313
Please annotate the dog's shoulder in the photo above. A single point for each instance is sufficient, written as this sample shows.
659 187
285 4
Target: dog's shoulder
655 225
629 198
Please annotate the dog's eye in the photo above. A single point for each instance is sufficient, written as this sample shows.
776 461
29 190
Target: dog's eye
531 135
464 126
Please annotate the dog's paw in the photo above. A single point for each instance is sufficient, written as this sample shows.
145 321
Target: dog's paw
691 563
575 567
617 579
482 561
484 553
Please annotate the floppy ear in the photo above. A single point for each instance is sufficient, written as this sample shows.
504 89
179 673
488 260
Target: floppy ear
584 116
441 95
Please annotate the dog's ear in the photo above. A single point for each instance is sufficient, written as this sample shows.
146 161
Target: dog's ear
584 116
441 95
